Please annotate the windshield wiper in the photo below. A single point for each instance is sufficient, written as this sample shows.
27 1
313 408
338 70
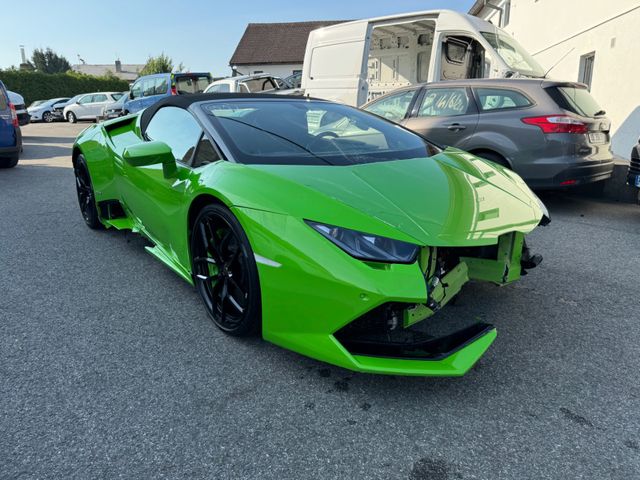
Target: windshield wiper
599 113
275 135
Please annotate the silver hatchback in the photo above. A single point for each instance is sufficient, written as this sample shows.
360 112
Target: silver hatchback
553 134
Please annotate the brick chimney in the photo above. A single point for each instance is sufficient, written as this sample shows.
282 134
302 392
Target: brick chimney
118 66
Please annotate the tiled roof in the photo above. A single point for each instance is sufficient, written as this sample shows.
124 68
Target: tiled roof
273 43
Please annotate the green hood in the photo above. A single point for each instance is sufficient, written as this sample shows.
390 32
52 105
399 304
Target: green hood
451 199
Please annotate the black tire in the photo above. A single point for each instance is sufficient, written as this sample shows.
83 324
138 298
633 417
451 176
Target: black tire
225 273
47 117
86 196
9 162
495 158
71 117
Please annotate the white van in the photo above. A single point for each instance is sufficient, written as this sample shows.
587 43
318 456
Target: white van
357 61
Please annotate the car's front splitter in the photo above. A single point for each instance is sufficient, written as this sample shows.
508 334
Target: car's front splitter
456 362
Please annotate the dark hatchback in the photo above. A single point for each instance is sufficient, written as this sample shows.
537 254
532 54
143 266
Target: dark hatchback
553 134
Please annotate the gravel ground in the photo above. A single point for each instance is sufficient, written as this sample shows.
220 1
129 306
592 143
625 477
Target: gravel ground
109 367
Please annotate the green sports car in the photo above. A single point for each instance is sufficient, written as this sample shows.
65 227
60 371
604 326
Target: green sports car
327 230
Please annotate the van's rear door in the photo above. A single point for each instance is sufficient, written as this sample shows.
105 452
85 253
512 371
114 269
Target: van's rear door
334 63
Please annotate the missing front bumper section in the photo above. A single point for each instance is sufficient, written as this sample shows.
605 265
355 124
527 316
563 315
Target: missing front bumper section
413 344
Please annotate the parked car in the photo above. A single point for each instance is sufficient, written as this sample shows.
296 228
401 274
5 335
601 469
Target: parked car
356 62
57 109
260 83
294 81
633 177
10 134
268 223
42 112
114 110
553 134
149 89
21 110
89 106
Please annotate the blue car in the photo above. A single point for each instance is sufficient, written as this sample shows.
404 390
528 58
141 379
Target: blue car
10 135
149 89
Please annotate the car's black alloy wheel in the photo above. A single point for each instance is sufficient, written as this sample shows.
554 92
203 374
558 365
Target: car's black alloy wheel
86 197
224 271
47 117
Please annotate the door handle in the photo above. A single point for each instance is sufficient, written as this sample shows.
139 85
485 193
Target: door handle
455 127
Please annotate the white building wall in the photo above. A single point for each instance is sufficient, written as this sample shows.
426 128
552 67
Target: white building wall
281 71
549 29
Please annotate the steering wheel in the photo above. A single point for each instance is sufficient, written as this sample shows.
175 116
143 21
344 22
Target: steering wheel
322 136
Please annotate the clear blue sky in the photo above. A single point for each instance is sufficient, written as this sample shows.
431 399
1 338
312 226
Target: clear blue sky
202 34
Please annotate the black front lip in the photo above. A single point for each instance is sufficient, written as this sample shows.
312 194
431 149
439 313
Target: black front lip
426 348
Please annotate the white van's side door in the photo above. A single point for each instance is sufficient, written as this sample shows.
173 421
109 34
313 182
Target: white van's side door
335 63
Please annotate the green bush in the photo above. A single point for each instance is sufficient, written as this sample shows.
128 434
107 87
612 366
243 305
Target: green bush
42 86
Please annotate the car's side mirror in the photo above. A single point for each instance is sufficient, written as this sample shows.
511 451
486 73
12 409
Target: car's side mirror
131 97
151 153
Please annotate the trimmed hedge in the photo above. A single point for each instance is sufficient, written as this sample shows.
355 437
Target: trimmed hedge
43 86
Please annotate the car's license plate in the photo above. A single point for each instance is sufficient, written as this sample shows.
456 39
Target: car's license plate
637 182
598 137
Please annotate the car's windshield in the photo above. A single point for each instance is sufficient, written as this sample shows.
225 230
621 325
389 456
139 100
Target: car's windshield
310 133
36 103
516 57
123 98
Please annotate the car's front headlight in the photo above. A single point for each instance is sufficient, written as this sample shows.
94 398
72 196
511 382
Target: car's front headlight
368 247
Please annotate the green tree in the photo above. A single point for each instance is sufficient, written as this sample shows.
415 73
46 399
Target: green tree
48 61
160 64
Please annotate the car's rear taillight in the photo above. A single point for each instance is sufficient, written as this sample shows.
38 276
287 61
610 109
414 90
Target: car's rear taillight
557 124
14 115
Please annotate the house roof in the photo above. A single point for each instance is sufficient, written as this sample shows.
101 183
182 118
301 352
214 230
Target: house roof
128 71
273 43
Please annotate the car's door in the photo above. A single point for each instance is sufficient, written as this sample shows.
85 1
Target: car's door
153 89
135 97
155 199
446 115
395 106
98 103
83 108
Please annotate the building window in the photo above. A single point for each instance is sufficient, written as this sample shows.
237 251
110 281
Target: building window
585 74
506 13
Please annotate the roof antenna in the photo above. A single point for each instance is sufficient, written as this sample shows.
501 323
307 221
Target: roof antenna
556 64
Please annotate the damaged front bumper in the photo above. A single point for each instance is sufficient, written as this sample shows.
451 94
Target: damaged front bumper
376 317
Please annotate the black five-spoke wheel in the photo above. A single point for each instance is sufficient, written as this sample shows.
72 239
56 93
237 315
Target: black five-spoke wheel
225 272
86 198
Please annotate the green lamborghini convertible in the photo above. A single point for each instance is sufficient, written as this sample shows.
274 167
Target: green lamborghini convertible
327 230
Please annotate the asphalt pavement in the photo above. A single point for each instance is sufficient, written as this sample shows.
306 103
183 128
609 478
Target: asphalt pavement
110 368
